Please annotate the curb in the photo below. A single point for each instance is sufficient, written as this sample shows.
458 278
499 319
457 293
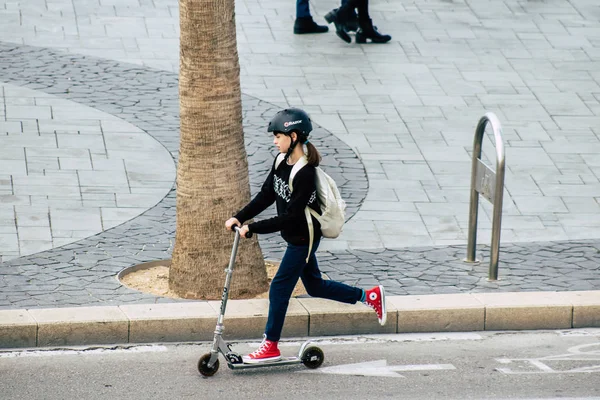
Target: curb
245 319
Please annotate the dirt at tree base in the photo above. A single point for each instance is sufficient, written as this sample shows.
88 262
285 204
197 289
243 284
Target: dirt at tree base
155 280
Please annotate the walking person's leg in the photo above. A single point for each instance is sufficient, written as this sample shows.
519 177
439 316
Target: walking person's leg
304 21
351 24
366 29
302 9
342 15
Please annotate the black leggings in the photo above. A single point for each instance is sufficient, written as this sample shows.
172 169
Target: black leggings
362 7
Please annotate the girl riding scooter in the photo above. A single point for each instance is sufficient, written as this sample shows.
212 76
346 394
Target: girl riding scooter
291 128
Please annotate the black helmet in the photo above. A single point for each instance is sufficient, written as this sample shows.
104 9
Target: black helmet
291 119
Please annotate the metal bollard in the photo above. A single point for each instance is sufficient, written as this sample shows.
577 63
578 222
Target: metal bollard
490 185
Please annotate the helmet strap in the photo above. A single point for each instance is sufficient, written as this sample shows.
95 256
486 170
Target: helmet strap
291 148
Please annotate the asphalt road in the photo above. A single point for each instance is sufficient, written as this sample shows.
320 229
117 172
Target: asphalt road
506 365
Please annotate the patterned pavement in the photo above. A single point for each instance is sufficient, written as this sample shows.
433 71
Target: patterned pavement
396 124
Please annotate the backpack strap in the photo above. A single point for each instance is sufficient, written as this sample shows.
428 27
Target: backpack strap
279 159
311 231
302 161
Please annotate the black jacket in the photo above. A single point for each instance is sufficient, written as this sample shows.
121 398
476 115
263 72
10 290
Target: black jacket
290 219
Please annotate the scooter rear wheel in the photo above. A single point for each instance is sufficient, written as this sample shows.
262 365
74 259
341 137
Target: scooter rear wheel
203 366
313 357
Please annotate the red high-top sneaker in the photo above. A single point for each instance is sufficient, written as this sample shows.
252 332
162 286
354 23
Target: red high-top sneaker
266 352
375 298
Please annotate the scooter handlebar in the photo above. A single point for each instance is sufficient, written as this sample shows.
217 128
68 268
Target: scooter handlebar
237 228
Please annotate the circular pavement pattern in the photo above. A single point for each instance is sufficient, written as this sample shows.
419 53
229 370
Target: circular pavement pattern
69 171
83 273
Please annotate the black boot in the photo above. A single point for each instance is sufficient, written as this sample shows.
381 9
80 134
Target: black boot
368 31
339 16
351 24
307 25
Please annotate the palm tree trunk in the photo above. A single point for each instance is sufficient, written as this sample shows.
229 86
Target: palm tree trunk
212 173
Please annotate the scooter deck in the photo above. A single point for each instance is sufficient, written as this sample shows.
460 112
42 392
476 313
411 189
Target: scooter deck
282 361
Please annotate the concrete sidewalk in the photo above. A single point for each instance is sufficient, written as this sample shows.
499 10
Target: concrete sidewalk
245 319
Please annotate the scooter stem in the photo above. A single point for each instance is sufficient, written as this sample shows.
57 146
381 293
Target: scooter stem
228 276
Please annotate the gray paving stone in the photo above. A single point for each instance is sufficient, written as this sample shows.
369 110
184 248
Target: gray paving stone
10 127
20 112
72 219
63 179
13 166
8 242
34 234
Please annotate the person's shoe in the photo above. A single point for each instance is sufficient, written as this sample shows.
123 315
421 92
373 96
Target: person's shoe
266 352
375 298
368 31
339 19
351 24
304 25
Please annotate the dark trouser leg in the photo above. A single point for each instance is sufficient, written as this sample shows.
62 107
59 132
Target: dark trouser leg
351 24
316 286
282 286
292 267
346 7
302 9
362 7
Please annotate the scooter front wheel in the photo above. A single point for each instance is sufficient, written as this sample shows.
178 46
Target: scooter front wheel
313 357
203 367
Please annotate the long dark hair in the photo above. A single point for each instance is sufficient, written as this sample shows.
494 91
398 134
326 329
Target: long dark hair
312 154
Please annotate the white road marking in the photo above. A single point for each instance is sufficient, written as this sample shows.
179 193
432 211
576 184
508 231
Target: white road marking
541 366
584 353
90 351
422 367
580 332
377 368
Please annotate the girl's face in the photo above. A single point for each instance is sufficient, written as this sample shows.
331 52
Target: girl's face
283 142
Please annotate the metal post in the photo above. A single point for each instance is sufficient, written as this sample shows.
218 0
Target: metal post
490 184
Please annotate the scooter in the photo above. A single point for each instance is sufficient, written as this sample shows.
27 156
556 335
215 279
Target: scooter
311 356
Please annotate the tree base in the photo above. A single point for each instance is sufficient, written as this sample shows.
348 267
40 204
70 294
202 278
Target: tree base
154 279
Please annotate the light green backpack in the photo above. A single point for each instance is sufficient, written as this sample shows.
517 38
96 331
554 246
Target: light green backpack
333 207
